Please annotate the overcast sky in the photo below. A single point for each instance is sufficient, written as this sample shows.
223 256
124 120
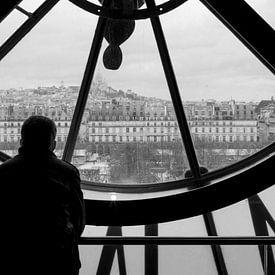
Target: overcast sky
208 60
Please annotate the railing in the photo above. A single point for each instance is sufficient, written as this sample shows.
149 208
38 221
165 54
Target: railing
263 242
155 240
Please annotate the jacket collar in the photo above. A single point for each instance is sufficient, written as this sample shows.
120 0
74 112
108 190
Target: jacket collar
36 153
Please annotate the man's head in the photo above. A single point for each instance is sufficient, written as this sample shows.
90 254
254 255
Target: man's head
38 133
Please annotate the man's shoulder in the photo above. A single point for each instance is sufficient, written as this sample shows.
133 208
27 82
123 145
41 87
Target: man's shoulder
65 165
10 163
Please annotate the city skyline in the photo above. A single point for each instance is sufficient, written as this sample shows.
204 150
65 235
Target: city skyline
209 62
63 85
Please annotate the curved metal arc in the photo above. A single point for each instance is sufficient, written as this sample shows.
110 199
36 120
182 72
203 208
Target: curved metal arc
184 183
195 202
135 15
174 207
167 186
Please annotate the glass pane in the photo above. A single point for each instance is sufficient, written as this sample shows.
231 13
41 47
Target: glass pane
227 93
241 260
194 226
234 220
89 256
129 133
267 196
265 8
10 24
94 231
39 76
16 18
99 231
31 5
170 260
186 260
188 227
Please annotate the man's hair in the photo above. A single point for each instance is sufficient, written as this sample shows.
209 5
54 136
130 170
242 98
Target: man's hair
38 132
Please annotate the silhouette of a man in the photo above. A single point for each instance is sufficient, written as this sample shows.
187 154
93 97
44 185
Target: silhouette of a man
44 216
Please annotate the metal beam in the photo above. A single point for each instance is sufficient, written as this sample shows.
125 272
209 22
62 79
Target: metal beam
247 26
260 218
108 254
174 92
216 249
212 231
84 89
26 27
29 14
209 240
151 251
184 129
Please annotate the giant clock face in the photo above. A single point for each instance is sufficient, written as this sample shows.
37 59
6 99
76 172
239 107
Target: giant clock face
163 106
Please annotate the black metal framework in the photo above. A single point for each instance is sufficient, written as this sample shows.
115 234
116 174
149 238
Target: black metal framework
29 14
84 89
183 126
248 27
151 242
174 92
260 218
26 27
108 254
259 38
136 14
8 8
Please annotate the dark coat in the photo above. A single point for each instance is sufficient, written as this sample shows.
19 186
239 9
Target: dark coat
42 214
